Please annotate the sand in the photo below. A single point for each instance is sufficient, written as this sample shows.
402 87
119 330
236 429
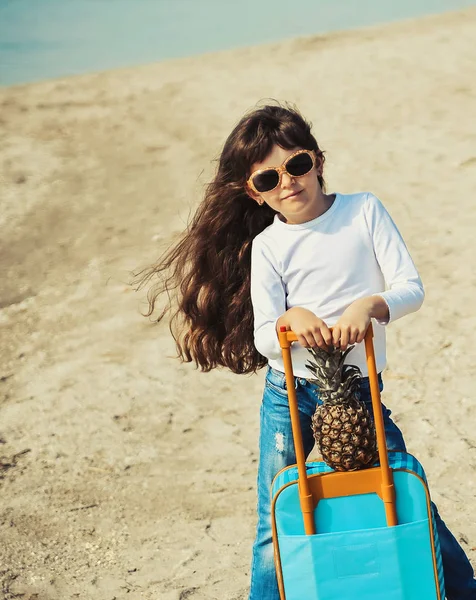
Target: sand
125 474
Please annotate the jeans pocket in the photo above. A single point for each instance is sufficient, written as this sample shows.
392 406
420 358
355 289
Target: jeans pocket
277 383
276 380
279 390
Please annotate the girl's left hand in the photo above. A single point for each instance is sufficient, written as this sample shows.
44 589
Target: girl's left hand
352 326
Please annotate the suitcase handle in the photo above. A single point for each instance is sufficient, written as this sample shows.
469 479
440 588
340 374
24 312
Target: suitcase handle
386 489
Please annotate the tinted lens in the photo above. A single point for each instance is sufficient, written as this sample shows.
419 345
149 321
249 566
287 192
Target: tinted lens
265 181
299 165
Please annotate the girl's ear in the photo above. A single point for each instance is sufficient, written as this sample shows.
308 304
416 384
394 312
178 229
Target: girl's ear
256 197
319 164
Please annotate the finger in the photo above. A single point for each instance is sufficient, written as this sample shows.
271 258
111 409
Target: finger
308 339
302 341
336 335
327 335
319 340
353 335
360 337
344 339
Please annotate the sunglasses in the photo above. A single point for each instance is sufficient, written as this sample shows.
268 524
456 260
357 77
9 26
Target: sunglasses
296 165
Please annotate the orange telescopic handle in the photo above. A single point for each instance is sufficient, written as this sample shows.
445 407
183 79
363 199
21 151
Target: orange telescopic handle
305 495
387 487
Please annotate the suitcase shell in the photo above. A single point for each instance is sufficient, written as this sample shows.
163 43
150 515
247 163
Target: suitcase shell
349 551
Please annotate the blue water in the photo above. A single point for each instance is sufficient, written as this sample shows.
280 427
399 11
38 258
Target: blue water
43 39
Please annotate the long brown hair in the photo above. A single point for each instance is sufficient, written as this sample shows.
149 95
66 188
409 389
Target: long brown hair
206 274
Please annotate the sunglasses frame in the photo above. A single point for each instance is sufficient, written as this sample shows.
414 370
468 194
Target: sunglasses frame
282 169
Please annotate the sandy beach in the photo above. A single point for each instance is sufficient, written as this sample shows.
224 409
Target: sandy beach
123 473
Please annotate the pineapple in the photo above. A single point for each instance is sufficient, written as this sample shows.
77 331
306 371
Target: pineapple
342 426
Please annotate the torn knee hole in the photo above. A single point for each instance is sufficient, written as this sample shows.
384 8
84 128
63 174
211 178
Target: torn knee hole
279 439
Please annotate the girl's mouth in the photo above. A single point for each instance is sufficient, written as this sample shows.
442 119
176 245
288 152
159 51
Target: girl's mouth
293 195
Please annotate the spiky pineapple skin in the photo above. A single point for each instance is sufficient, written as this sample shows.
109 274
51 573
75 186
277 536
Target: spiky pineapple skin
342 426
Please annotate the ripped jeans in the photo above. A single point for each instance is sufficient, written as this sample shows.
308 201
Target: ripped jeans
277 452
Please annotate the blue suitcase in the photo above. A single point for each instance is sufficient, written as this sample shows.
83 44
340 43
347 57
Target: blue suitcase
359 535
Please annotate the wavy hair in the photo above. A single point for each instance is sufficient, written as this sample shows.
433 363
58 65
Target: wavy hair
205 275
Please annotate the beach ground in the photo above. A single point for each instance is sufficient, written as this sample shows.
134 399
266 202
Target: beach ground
125 474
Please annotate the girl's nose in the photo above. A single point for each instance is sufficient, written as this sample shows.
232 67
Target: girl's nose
286 180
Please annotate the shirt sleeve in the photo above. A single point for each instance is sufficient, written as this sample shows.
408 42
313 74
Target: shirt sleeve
268 297
404 292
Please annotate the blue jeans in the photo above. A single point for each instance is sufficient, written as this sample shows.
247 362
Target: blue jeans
277 451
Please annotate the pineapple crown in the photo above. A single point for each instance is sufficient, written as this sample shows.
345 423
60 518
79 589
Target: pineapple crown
335 380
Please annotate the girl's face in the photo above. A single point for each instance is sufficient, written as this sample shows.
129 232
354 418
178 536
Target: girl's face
297 199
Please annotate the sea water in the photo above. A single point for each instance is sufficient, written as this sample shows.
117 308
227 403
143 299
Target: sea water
43 39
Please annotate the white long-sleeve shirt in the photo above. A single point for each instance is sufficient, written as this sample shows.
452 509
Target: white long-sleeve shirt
351 251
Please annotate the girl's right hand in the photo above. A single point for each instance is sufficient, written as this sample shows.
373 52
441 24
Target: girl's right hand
309 329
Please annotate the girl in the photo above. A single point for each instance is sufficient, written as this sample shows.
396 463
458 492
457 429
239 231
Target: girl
269 247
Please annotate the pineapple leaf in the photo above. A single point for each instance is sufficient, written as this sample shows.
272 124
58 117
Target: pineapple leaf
335 379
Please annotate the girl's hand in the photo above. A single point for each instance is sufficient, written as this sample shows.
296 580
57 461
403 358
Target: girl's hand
352 326
310 330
